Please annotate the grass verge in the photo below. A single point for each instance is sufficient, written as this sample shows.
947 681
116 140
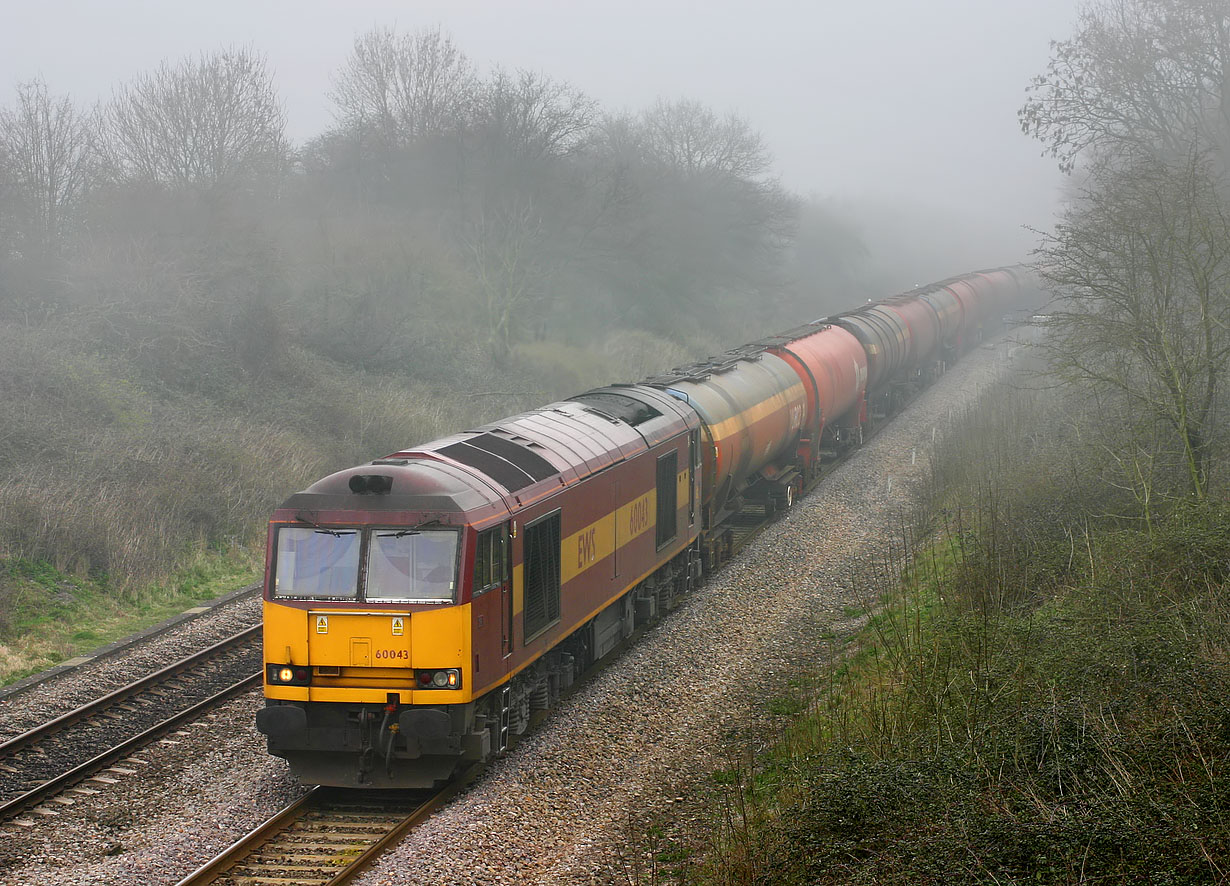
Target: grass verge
50 616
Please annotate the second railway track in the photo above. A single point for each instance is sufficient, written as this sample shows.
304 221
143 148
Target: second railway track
53 756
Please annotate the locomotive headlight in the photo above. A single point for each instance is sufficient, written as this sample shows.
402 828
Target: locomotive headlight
285 675
448 678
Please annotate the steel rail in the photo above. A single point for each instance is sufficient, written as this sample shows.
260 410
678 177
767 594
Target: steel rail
119 751
38 733
394 836
317 799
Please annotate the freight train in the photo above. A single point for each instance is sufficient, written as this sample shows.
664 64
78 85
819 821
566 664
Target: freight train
421 608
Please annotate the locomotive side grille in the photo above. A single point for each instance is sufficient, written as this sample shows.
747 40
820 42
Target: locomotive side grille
542 574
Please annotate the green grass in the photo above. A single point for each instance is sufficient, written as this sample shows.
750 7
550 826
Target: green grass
51 616
1084 739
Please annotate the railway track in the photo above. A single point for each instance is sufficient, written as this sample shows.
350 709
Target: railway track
38 764
324 838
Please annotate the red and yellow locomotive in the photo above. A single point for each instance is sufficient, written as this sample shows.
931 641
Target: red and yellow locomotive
419 608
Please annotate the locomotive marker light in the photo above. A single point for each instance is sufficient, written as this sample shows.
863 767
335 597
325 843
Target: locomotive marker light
444 679
287 675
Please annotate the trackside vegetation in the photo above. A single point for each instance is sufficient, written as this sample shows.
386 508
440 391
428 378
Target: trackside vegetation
1039 697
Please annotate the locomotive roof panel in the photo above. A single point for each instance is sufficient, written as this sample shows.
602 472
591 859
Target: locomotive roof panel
414 485
528 454
493 467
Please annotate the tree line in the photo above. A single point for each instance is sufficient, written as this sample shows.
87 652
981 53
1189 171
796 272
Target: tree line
445 219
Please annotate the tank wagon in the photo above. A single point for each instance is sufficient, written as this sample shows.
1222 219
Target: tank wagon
421 608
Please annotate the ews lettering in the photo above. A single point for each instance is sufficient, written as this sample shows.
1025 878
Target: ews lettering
587 547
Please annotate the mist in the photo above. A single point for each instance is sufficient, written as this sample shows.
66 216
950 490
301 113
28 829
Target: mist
890 108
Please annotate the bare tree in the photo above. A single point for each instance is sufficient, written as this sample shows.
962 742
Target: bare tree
689 137
47 147
1143 268
1139 76
529 116
404 86
214 121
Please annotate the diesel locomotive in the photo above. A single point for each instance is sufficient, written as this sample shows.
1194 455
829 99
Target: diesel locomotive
419 609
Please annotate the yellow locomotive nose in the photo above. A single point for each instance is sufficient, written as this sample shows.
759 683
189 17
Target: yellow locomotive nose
359 639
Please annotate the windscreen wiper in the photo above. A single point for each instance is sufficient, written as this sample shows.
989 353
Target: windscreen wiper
324 530
413 530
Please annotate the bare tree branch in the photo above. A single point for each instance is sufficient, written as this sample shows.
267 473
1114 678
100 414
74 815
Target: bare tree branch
215 121
49 149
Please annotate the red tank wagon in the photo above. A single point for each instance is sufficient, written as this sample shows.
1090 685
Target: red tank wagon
832 365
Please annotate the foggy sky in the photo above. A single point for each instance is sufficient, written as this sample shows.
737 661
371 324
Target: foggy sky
881 103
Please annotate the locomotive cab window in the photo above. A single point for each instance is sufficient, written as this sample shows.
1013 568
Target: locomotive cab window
396 565
489 559
668 470
411 566
317 563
